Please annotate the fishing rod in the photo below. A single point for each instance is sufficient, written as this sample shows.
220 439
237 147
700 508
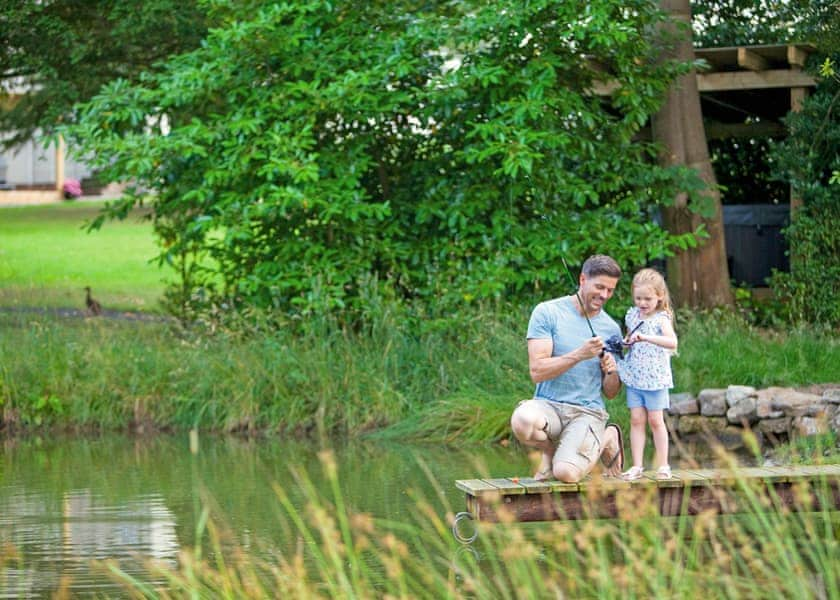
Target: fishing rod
577 295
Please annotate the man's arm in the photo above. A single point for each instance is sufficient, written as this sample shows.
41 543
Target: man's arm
543 366
610 382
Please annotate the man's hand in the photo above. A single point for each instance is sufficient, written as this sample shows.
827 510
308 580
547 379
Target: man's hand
591 348
608 364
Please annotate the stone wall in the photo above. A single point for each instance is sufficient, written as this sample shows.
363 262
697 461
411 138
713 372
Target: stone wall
774 414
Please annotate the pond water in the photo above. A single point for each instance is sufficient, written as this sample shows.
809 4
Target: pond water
67 502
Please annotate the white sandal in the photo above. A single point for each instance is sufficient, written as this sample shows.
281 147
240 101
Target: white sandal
664 472
633 473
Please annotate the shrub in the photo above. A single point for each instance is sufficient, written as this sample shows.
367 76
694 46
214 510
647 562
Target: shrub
72 189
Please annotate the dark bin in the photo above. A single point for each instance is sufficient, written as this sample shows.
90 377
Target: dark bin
754 241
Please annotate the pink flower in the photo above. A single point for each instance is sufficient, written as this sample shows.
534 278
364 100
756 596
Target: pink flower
72 188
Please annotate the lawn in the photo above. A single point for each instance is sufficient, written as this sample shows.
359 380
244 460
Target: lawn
47 257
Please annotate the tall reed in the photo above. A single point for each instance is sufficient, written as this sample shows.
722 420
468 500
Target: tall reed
764 552
430 378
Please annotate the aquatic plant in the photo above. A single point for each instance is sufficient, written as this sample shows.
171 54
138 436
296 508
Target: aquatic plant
766 551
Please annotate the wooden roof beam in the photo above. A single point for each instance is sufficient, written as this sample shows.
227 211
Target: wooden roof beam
753 80
796 56
747 59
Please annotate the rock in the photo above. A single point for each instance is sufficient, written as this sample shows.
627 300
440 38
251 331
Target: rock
683 404
793 403
743 410
808 426
774 426
698 424
819 410
736 393
764 404
831 396
731 438
712 402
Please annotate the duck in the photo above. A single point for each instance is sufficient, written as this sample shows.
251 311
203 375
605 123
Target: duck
93 307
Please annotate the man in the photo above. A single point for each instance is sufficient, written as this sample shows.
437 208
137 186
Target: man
566 419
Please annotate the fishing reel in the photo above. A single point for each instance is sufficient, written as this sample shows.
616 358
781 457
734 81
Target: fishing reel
616 346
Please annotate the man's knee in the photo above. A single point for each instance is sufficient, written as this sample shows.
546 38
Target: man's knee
527 423
567 473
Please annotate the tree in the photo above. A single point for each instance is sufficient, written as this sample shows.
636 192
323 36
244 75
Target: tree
698 277
309 155
60 52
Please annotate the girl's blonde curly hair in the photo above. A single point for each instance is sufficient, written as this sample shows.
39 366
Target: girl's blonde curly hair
655 280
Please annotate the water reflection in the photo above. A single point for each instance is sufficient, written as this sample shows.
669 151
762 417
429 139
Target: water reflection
66 502
94 529
56 540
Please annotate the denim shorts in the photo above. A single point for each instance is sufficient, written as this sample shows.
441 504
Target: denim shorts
648 399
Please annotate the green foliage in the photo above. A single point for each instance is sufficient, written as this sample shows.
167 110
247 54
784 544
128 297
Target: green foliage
809 161
746 171
444 154
720 23
62 51
41 410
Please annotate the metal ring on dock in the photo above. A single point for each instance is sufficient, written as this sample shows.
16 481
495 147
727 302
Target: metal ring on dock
461 516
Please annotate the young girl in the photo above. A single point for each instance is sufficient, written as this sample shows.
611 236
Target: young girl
646 371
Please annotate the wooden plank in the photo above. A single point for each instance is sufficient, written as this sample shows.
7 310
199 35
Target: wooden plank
559 486
829 471
753 80
689 478
716 476
764 474
798 472
676 480
475 487
533 486
605 484
506 486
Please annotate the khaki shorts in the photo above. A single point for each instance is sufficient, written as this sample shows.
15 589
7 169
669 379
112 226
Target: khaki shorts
576 430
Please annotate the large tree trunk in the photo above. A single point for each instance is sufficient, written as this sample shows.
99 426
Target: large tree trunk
697 277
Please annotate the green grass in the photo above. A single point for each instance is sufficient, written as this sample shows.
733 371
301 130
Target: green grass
431 382
105 373
47 258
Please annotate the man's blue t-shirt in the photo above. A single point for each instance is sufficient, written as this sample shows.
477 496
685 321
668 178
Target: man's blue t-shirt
560 321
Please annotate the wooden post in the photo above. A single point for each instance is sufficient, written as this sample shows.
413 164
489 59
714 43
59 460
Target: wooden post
797 98
59 166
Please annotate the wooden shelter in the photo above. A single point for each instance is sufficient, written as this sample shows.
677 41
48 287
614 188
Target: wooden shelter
747 90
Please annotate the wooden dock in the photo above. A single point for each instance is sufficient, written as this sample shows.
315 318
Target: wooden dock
689 492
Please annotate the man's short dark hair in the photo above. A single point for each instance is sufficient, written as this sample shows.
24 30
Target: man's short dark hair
601 264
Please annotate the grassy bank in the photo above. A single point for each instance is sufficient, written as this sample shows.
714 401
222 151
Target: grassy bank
430 382
47 257
451 381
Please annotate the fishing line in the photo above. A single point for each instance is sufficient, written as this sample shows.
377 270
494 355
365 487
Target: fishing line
577 295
